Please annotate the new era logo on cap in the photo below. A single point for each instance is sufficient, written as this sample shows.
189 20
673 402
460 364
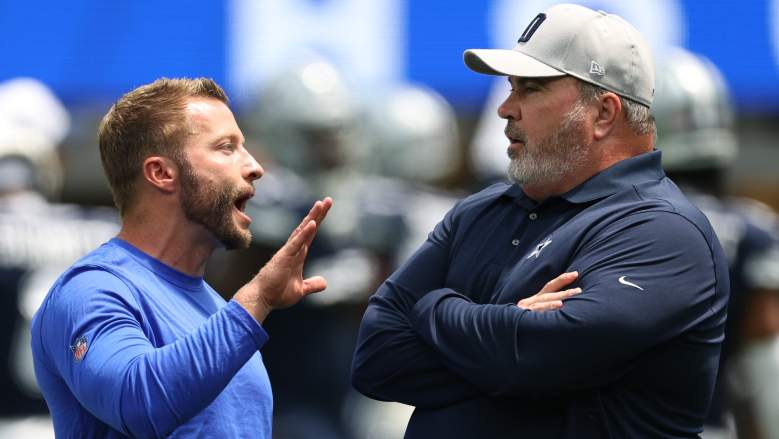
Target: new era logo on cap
596 69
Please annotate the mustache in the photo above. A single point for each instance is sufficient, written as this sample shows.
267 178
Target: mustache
243 191
514 133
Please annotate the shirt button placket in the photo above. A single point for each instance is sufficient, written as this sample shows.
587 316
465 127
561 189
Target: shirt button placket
533 215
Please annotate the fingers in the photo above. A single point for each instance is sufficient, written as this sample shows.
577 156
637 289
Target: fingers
546 306
299 239
559 282
547 301
317 214
562 295
313 213
318 211
327 203
314 284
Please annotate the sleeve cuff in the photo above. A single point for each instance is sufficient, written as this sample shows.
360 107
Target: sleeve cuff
246 321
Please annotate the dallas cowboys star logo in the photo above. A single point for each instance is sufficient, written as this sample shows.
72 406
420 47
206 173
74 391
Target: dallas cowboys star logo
539 247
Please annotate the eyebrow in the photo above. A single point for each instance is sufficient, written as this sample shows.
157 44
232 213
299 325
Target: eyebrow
541 80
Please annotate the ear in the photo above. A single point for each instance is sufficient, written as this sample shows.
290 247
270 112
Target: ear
609 111
161 173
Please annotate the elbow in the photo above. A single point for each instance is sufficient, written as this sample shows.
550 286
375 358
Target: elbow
362 385
136 422
143 410
147 420
364 380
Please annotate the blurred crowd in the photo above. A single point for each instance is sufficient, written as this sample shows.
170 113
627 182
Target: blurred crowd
394 162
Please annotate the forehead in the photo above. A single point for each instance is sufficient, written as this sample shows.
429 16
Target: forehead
208 114
205 111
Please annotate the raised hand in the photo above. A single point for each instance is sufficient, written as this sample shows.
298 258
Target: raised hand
280 283
551 295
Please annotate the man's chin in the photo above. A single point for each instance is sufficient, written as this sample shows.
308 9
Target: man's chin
237 239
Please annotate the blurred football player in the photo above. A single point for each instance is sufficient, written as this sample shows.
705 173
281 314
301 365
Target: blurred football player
412 153
696 135
378 154
38 238
307 125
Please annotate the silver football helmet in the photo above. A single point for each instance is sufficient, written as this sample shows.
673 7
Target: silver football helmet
307 119
413 135
33 123
693 112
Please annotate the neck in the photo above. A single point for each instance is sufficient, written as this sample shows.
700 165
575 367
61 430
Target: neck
170 238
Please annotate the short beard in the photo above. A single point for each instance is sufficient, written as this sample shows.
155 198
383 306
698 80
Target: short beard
212 207
551 158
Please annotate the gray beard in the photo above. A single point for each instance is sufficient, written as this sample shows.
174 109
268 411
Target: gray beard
550 159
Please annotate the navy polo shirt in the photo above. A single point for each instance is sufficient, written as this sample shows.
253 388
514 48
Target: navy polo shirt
634 355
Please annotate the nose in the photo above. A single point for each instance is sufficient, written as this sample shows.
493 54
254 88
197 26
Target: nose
252 169
509 109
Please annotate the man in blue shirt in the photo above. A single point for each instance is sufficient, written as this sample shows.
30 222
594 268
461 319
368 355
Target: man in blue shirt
130 340
625 342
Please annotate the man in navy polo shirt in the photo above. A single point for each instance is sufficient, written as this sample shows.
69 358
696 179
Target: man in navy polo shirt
624 340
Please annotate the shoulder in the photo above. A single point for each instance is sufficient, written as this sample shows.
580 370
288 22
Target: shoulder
104 271
79 296
487 194
656 218
469 208
653 211
84 287
664 201
482 198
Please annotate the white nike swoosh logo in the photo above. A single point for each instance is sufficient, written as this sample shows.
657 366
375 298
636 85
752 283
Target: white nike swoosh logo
630 284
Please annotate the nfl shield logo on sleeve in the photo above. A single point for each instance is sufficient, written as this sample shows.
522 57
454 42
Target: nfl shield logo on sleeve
79 348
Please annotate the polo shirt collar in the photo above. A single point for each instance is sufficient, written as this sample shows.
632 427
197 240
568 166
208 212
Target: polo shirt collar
620 176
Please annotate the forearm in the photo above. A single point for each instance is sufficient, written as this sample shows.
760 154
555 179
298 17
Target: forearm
475 341
155 390
392 363
503 350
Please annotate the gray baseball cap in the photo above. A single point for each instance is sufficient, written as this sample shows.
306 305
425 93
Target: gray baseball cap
567 39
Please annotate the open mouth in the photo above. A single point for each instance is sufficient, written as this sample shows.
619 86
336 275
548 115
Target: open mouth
241 202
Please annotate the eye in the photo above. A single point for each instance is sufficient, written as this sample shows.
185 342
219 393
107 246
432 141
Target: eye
532 87
227 147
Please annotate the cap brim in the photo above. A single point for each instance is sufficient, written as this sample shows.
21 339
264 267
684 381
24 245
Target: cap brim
507 63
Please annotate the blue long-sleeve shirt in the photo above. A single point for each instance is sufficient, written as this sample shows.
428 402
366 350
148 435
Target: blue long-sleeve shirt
125 345
634 355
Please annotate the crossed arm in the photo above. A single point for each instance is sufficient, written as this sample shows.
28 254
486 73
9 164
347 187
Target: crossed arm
425 345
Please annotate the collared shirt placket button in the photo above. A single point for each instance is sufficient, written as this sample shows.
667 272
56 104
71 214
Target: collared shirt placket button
515 242
533 215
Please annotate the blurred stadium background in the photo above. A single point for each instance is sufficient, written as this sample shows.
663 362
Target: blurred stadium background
90 52
404 122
